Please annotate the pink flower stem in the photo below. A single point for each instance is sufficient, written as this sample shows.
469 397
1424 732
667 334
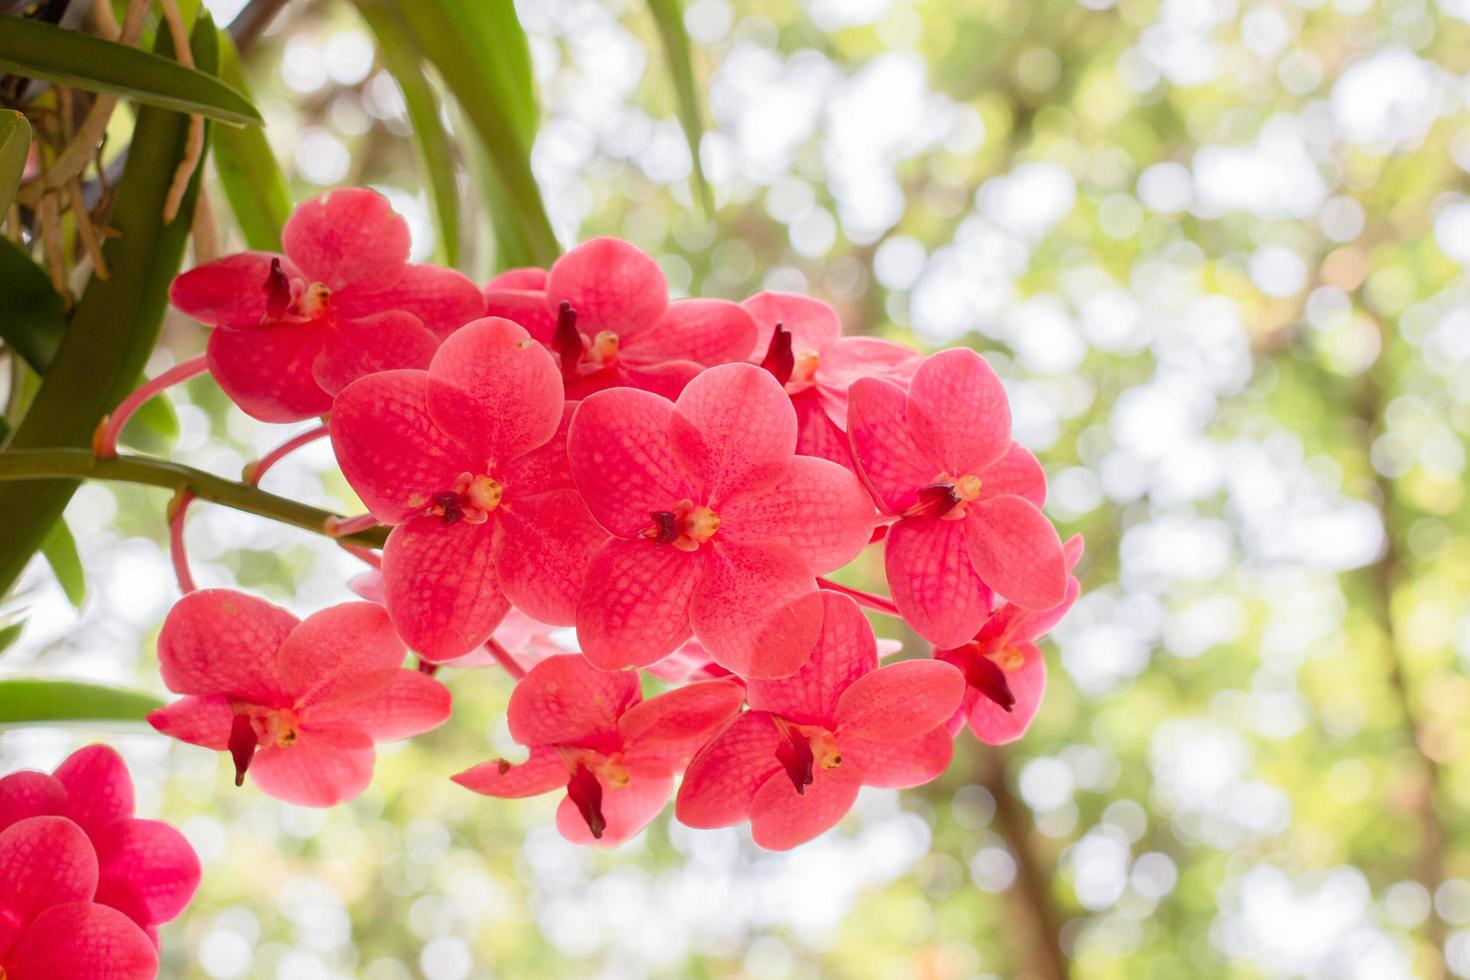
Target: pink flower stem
254 472
877 603
104 441
341 527
502 656
366 555
178 508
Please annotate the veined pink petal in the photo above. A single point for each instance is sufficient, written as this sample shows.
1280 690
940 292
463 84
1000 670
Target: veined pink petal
634 607
888 459
933 581
566 701
666 378
707 331
1016 551
545 467
542 772
147 870
409 704
844 652
546 544
267 371
820 509
691 662
230 291
813 325
675 719
611 285
82 941
622 461
44 861
379 342
321 768
993 724
521 277
957 411
852 358
442 299
722 779
29 793
816 434
1017 473
627 809
342 653
1034 624
347 237
390 449
734 428
219 641
757 609
495 389
202 721
780 818
524 306
98 788
900 701
440 582
900 765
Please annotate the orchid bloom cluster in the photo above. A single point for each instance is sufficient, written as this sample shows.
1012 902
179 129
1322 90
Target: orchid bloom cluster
676 479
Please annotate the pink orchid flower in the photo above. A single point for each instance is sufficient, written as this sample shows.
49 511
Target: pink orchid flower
968 499
604 310
1005 672
719 528
590 731
50 927
794 763
146 869
468 461
297 703
691 662
800 342
293 330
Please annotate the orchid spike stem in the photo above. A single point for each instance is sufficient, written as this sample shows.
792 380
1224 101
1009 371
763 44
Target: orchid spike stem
502 656
342 527
877 603
255 471
79 464
178 509
367 556
104 442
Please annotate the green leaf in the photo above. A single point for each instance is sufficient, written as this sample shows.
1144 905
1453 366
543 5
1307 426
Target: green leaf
154 428
481 52
15 146
37 701
39 50
115 323
247 168
60 549
32 315
436 150
9 634
668 15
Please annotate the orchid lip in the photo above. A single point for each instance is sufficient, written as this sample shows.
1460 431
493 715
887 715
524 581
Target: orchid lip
686 527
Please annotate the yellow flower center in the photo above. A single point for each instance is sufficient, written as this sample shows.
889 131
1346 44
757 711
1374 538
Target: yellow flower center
686 527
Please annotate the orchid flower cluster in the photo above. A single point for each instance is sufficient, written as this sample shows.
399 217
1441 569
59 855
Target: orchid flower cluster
569 447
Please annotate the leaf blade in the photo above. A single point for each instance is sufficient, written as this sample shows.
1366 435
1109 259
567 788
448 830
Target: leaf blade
60 549
39 50
39 701
15 146
668 16
248 170
32 313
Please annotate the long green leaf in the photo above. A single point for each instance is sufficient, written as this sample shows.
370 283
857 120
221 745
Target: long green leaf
668 15
436 150
9 634
60 549
39 50
247 168
481 52
37 701
15 146
115 324
32 315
